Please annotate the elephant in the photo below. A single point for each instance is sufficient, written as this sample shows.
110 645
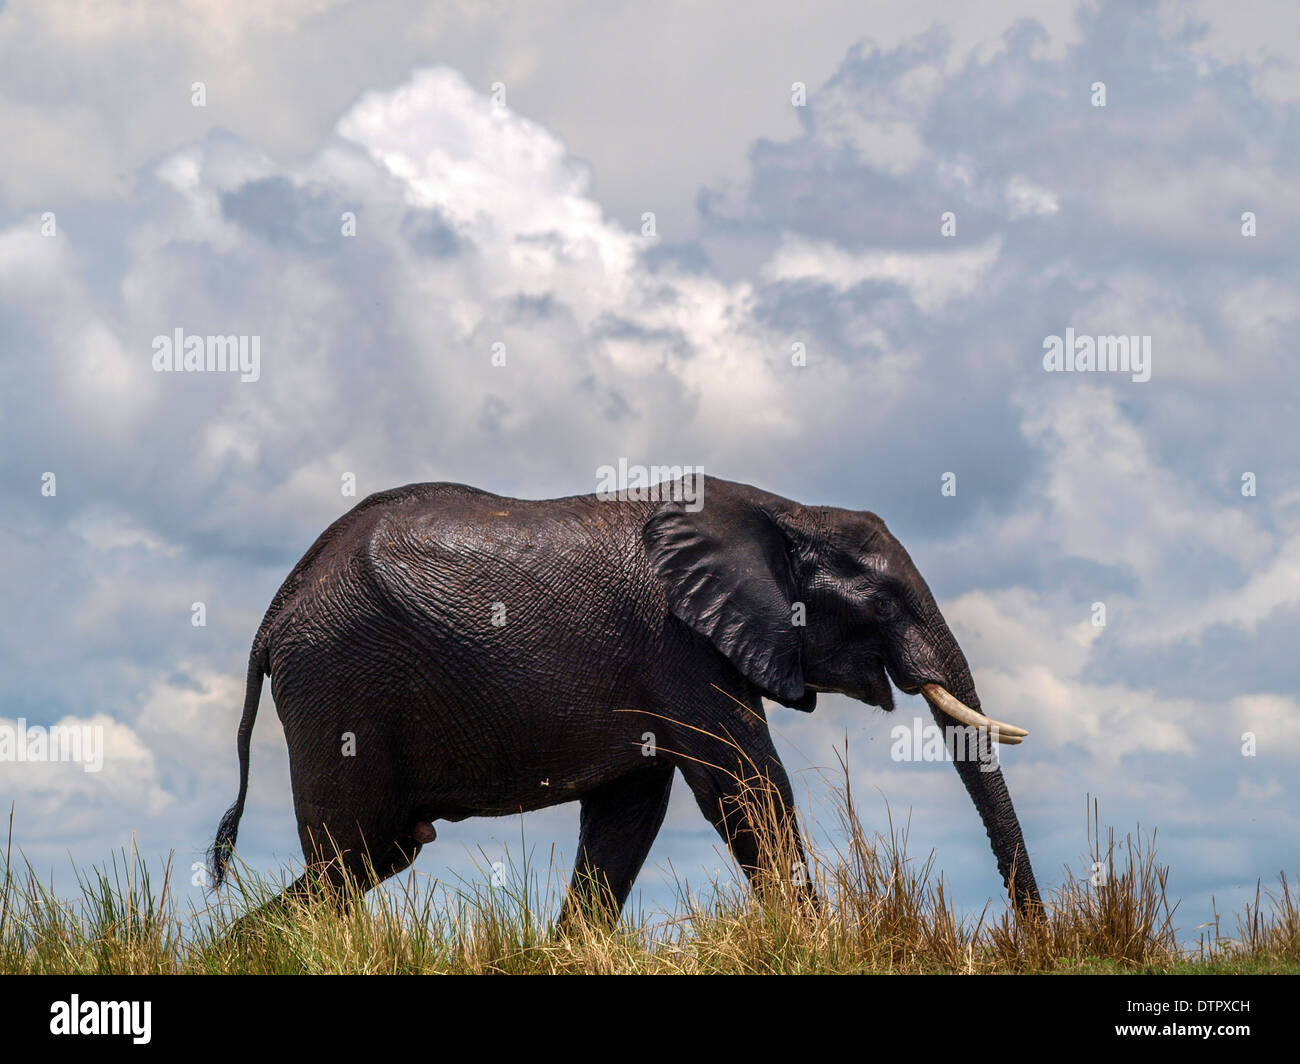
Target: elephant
441 652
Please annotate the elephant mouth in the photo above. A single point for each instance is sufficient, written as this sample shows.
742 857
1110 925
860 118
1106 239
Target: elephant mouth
875 685
905 684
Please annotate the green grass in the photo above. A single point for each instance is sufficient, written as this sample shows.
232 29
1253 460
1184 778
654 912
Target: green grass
884 912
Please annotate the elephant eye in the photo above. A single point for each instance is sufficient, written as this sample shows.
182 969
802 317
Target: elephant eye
885 608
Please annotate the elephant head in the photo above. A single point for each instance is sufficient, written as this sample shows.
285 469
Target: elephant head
803 599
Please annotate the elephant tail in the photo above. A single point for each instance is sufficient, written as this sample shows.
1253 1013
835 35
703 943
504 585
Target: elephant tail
224 844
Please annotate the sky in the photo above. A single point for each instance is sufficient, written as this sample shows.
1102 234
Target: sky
653 207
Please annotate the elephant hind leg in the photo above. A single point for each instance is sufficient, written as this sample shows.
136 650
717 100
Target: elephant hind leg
330 881
361 859
342 856
619 822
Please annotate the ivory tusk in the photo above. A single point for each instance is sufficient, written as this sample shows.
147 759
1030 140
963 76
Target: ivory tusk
959 711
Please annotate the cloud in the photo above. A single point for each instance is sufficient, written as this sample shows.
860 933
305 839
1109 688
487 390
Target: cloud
478 225
113 769
931 279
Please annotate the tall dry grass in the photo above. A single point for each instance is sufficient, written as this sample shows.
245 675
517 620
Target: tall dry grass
876 910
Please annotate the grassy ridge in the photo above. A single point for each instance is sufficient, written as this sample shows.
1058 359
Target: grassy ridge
882 912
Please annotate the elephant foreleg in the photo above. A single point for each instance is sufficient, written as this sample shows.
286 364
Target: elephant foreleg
741 786
619 822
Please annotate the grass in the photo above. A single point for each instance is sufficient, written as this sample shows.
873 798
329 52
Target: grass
881 911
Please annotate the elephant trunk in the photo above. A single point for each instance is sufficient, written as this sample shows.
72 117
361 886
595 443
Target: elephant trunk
977 766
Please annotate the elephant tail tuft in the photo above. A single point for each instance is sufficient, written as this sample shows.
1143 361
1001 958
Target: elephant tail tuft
223 845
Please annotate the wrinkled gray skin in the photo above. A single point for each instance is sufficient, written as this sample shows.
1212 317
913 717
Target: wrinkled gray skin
385 630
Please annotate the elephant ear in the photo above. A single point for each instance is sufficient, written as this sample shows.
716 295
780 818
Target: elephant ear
725 571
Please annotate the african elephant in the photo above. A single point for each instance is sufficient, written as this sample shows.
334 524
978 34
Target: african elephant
442 652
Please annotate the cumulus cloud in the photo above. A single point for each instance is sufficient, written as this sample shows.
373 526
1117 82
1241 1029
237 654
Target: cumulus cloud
78 773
